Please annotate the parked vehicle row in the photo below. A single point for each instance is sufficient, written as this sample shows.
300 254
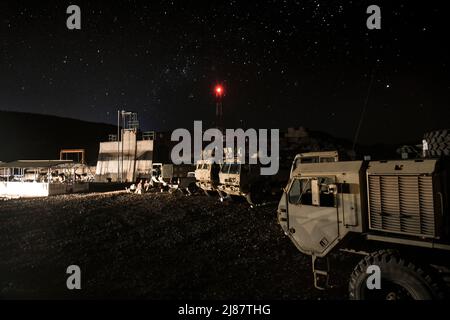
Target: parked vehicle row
395 213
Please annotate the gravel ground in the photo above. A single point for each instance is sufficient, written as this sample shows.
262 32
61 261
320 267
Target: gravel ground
153 246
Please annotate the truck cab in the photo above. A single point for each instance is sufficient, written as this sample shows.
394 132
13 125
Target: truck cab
245 180
230 178
396 213
207 175
174 177
321 204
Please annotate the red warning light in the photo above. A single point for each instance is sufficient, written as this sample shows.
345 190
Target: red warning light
219 91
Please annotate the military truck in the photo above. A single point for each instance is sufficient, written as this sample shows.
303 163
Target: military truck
207 176
174 177
395 213
244 180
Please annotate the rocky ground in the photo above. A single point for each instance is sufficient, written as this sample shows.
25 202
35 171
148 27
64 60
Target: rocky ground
155 246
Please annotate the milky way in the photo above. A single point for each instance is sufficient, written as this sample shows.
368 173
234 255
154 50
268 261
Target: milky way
283 63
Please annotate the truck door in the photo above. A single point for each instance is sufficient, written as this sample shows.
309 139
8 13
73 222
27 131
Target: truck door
312 214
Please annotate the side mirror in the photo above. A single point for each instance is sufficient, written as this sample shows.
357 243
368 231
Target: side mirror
285 189
315 192
332 188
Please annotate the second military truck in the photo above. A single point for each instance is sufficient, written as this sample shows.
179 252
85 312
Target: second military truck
395 213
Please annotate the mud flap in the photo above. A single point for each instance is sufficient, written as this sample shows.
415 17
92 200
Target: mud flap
223 196
321 276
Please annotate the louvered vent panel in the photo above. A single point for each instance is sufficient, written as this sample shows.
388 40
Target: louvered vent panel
402 204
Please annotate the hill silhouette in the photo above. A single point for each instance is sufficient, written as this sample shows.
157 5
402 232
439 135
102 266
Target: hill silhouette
35 136
27 136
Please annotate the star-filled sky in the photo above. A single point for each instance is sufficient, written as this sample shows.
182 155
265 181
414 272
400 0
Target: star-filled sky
283 63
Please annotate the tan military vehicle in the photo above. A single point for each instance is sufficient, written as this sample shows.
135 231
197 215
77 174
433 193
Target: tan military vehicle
207 176
244 180
315 157
174 177
395 213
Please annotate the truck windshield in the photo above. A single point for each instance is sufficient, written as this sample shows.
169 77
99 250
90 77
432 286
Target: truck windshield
305 160
235 168
327 159
300 192
225 168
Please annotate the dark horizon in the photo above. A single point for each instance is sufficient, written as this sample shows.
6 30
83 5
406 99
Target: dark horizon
282 64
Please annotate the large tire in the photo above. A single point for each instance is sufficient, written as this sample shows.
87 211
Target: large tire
259 193
438 142
192 188
236 198
210 193
400 279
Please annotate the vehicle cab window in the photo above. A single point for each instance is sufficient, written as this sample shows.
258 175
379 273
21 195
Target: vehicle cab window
235 168
318 192
225 168
300 192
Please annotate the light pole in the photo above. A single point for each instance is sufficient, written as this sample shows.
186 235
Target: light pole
118 146
126 124
219 92
120 115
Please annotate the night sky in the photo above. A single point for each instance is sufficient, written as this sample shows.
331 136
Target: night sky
283 63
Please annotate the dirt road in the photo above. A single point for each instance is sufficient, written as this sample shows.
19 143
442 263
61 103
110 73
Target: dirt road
155 246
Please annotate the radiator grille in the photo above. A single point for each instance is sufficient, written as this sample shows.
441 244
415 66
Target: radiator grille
402 204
